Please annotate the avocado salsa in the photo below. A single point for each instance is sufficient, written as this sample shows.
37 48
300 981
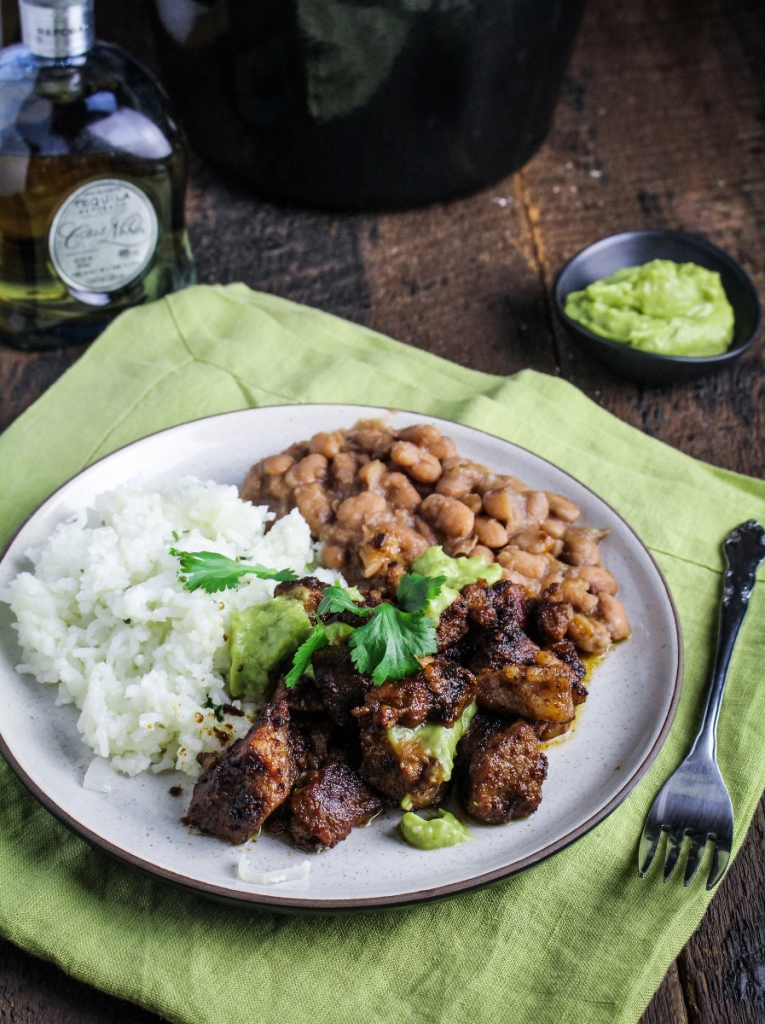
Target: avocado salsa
673 309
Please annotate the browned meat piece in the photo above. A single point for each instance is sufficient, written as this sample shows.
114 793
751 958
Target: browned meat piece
508 647
541 690
511 604
396 771
552 619
439 693
579 693
319 736
497 615
303 696
453 625
309 590
566 651
332 802
505 776
276 823
236 793
549 730
502 606
341 686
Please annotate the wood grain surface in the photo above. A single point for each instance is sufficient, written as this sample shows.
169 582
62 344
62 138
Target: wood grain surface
661 124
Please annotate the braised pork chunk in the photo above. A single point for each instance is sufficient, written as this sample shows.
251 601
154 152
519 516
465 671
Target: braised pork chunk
241 788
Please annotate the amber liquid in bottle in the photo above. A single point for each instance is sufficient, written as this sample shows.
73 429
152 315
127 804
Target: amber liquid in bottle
92 180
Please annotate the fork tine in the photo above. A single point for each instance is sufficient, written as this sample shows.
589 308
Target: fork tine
720 862
674 845
695 853
649 842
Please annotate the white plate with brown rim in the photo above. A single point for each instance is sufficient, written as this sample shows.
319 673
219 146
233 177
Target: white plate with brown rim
633 697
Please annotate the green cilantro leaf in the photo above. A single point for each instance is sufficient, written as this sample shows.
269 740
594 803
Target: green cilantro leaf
213 572
415 592
302 660
389 645
337 599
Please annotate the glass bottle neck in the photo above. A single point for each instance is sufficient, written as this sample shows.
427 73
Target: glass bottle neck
57 30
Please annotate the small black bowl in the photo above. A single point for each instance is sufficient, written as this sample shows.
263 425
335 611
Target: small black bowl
632 249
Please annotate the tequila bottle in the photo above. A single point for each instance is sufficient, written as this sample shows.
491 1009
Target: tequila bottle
92 180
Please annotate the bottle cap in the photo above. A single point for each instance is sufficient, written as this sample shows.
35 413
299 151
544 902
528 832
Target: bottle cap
57 29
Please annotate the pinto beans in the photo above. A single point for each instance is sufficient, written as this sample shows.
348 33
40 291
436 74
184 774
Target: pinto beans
309 470
531 566
328 445
555 527
533 540
460 547
588 634
473 502
562 508
508 506
457 481
486 553
400 492
576 592
537 507
333 556
376 498
611 612
371 474
419 463
361 509
600 580
448 515
277 465
490 532
344 468
314 505
579 548
425 435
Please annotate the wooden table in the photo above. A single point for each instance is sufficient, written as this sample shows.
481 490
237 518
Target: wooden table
661 124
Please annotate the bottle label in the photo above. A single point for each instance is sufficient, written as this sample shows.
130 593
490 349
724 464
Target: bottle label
104 236
58 31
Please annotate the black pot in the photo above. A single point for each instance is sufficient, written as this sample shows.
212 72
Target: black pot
366 104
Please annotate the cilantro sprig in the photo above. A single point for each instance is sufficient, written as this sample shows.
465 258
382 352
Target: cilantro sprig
302 659
213 572
388 646
337 599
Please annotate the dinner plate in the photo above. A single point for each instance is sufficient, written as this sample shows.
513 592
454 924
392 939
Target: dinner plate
633 696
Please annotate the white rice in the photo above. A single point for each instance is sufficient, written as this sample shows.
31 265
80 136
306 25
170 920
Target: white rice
104 616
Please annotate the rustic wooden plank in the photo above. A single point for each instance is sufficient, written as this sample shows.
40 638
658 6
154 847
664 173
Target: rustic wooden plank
461 280
302 255
723 966
668 1004
25 375
661 125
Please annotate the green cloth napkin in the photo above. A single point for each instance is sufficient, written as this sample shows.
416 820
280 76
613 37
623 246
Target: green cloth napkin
578 939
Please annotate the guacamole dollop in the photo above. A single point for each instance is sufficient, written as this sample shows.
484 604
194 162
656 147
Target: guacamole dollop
261 637
458 572
445 830
677 309
434 742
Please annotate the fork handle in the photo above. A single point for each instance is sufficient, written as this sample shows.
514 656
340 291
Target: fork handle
744 549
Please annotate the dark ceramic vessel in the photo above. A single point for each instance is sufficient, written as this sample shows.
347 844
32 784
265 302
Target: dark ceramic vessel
366 104
633 248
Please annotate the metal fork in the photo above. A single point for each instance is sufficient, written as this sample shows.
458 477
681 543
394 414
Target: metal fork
694 801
